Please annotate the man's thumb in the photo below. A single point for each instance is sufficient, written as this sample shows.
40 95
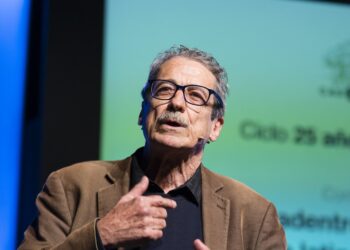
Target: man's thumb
199 245
139 188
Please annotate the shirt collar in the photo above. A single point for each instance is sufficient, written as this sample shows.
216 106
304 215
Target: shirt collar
193 185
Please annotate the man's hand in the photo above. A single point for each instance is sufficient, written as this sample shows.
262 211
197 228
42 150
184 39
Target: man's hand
135 218
199 245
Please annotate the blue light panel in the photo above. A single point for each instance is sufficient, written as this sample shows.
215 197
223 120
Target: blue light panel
14 19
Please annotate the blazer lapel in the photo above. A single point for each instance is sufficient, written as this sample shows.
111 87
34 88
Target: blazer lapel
119 177
216 212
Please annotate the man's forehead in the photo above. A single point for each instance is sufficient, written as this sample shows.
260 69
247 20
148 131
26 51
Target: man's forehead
183 66
178 61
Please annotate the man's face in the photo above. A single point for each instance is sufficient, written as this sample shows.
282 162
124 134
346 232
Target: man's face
176 123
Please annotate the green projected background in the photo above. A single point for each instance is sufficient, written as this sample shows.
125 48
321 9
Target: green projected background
287 126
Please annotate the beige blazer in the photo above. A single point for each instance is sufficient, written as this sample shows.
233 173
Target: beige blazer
234 216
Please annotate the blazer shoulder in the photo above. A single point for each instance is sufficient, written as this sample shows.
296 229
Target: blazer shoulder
92 171
237 191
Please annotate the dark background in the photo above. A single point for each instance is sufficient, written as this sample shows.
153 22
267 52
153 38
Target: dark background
63 92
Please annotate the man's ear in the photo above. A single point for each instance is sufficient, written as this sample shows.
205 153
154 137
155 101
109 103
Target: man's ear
139 122
216 129
142 111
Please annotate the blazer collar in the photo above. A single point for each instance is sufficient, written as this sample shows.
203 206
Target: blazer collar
216 211
119 177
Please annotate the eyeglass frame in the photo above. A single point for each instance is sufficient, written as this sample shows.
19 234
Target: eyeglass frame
183 87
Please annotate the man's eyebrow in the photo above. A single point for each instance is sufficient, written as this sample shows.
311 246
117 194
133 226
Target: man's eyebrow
174 81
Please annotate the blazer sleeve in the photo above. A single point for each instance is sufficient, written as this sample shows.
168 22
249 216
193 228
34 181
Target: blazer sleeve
271 235
52 228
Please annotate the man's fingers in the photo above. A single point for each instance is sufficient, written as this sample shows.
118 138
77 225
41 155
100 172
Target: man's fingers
159 201
138 189
153 234
157 223
199 245
158 212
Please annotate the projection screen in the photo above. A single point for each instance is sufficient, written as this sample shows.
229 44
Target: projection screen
287 125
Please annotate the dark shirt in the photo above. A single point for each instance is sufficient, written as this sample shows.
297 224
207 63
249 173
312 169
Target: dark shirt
183 223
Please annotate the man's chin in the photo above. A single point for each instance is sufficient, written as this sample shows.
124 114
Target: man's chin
173 142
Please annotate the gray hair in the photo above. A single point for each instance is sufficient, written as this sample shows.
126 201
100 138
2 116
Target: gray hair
197 55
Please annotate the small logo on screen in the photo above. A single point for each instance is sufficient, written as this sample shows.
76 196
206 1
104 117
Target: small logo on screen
338 63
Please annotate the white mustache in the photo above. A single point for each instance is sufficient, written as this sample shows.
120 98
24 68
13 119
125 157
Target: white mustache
173 117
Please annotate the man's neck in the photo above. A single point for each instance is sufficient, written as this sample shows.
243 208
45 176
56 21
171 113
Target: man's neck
170 169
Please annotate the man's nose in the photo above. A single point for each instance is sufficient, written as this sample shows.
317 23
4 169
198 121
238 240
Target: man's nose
178 101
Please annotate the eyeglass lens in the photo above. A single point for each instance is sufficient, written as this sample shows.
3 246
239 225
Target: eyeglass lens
194 94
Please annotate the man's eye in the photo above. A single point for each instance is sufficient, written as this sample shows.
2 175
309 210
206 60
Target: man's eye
164 90
196 95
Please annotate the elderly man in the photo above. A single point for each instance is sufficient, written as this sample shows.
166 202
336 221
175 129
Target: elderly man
161 197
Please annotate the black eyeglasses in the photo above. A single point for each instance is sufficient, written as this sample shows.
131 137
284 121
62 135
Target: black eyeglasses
193 94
